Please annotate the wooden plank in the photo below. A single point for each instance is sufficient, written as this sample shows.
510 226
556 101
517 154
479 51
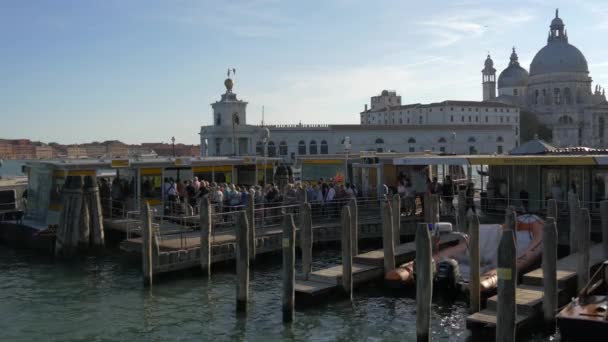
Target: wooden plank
333 275
528 300
566 269
313 288
487 318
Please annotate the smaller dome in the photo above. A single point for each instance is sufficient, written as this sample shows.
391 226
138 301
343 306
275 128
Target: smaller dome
385 92
557 22
489 63
514 75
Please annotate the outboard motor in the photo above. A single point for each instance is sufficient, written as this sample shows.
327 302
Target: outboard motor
448 274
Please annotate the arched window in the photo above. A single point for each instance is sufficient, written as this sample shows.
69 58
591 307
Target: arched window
259 148
324 147
272 149
557 96
600 128
471 139
472 150
567 96
536 94
218 119
441 140
313 147
379 141
302 147
283 148
565 120
499 139
411 141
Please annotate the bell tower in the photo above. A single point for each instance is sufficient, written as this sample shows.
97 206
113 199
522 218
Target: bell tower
489 80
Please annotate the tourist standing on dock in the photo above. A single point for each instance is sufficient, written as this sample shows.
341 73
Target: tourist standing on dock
196 183
191 193
447 192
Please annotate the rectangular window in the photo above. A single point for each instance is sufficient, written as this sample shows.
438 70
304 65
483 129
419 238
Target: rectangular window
462 118
501 119
486 118
499 149
469 118
451 118
508 118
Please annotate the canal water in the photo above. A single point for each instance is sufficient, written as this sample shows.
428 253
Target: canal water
101 298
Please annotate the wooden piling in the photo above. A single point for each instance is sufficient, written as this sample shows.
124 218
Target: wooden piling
583 241
347 255
396 215
573 207
507 281
91 197
354 229
424 283
549 266
426 201
388 243
206 226
461 219
604 217
146 236
242 261
474 278
289 264
306 238
250 206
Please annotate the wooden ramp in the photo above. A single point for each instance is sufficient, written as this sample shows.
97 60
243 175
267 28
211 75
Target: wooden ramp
366 267
529 295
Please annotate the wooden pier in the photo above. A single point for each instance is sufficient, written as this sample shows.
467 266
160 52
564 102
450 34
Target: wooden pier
366 267
529 294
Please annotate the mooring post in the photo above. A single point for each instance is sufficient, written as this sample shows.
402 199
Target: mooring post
507 280
306 238
584 236
388 243
206 222
461 223
424 282
354 222
604 217
347 254
146 237
242 261
426 206
573 207
396 215
474 282
250 203
549 264
289 264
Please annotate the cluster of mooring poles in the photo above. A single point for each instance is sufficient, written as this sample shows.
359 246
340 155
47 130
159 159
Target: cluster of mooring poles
80 219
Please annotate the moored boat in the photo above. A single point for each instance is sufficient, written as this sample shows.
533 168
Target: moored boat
452 264
586 317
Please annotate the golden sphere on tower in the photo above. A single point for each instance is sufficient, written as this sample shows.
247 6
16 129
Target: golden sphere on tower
229 84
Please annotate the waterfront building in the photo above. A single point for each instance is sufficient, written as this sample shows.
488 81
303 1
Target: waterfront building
557 90
76 151
45 152
6 149
387 126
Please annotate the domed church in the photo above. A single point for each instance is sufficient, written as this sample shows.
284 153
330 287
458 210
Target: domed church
557 90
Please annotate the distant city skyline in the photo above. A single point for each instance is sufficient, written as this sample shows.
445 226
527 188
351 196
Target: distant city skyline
138 71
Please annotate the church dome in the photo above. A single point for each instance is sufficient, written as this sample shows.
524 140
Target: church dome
514 75
558 55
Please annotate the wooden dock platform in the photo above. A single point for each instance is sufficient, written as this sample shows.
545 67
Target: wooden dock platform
366 267
529 294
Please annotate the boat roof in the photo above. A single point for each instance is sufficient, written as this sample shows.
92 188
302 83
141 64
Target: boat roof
522 160
166 162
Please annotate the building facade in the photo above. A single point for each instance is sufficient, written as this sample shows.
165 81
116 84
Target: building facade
386 126
557 90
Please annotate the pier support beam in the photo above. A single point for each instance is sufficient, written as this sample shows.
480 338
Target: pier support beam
289 264
242 262
583 240
250 206
474 279
507 281
396 215
604 217
347 254
306 238
354 229
388 243
146 237
93 202
424 283
573 207
549 265
69 218
206 224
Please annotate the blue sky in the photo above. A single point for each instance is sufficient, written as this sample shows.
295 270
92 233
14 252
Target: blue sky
77 71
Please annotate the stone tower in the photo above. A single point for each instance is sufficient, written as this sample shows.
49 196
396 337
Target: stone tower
229 109
489 80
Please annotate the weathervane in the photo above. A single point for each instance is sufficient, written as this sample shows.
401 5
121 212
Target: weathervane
233 71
